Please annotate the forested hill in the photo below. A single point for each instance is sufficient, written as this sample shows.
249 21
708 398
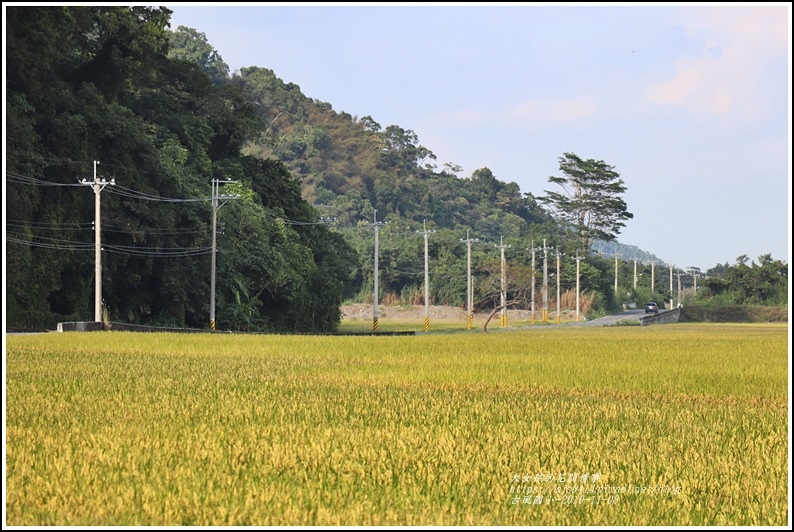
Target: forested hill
350 166
108 102
87 84
162 115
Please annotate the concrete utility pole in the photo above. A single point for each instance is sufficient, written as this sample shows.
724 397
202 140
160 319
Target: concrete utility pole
578 258
503 315
532 292
653 274
678 275
376 225
694 271
635 273
97 185
425 232
216 205
671 286
616 274
469 287
558 284
545 283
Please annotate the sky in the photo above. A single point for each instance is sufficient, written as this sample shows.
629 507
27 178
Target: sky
690 103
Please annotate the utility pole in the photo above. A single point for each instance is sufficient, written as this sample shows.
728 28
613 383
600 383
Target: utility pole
635 273
694 271
678 274
616 274
97 185
578 258
503 316
653 273
532 292
469 287
671 286
558 284
425 232
376 225
216 205
545 283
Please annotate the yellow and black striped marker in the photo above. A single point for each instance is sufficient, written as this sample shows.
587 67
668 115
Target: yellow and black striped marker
545 316
504 320
212 325
427 323
375 324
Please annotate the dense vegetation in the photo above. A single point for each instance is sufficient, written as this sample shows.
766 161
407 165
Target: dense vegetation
162 114
764 283
96 84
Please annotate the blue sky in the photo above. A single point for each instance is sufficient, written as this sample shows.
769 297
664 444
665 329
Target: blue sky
689 103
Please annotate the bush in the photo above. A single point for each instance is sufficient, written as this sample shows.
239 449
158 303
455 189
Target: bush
733 314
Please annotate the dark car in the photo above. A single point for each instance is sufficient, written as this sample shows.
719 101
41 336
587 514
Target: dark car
651 307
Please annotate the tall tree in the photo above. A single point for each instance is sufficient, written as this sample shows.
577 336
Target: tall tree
188 44
590 202
93 83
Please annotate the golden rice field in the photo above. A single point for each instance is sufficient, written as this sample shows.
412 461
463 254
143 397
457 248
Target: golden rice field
667 425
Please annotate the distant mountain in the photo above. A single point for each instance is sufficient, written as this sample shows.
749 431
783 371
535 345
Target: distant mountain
352 169
625 252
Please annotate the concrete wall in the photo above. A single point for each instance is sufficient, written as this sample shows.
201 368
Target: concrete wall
80 326
85 326
663 316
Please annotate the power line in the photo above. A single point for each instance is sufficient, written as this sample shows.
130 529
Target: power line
65 246
27 180
71 245
134 194
174 252
47 225
117 190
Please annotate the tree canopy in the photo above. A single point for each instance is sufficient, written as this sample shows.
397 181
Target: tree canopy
101 84
591 202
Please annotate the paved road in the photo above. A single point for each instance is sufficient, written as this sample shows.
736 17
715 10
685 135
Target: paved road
612 319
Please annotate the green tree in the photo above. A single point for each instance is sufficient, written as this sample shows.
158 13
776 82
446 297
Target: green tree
187 44
95 83
590 202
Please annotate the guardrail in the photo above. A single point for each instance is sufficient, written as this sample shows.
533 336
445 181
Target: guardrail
663 316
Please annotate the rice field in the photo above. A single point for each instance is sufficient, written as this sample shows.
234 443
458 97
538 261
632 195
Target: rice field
625 426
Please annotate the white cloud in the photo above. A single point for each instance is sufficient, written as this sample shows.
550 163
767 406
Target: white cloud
726 78
531 113
551 112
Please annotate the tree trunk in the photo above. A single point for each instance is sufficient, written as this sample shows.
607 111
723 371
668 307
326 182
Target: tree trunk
497 309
